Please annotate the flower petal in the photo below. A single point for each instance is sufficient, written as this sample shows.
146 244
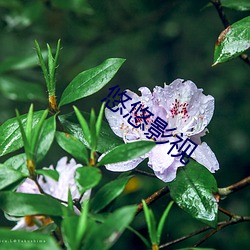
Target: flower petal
21 225
163 164
29 187
205 156
188 108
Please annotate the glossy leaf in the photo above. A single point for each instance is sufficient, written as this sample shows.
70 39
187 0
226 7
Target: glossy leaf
18 162
16 240
193 191
241 5
108 193
10 136
127 152
90 81
73 146
19 90
46 137
20 204
105 235
53 174
8 176
233 41
87 177
107 138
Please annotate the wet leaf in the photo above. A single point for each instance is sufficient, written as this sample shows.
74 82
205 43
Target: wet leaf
193 191
241 5
126 152
10 136
73 146
233 41
90 81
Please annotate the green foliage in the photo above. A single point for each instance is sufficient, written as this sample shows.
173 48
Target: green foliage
193 190
73 146
110 230
107 139
31 204
87 178
17 240
19 90
108 193
10 136
90 81
241 5
233 41
11 174
127 152
154 231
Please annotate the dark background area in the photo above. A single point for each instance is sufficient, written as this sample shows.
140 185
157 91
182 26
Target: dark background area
161 41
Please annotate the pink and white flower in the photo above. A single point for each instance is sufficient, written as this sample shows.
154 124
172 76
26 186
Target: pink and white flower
58 189
184 107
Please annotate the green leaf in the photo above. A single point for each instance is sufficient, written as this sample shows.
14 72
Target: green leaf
143 239
162 221
74 228
53 174
73 146
84 125
90 81
18 162
193 191
151 223
127 152
19 90
107 139
99 121
105 235
87 177
19 63
8 176
10 136
16 240
92 127
233 41
241 5
69 230
46 137
108 193
20 204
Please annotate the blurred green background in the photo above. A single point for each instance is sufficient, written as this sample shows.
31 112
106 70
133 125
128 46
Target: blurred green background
162 41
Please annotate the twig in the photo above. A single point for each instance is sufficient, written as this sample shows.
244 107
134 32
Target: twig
235 220
223 192
226 23
224 211
144 173
152 198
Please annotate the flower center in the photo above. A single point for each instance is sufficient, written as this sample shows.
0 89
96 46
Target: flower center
179 109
